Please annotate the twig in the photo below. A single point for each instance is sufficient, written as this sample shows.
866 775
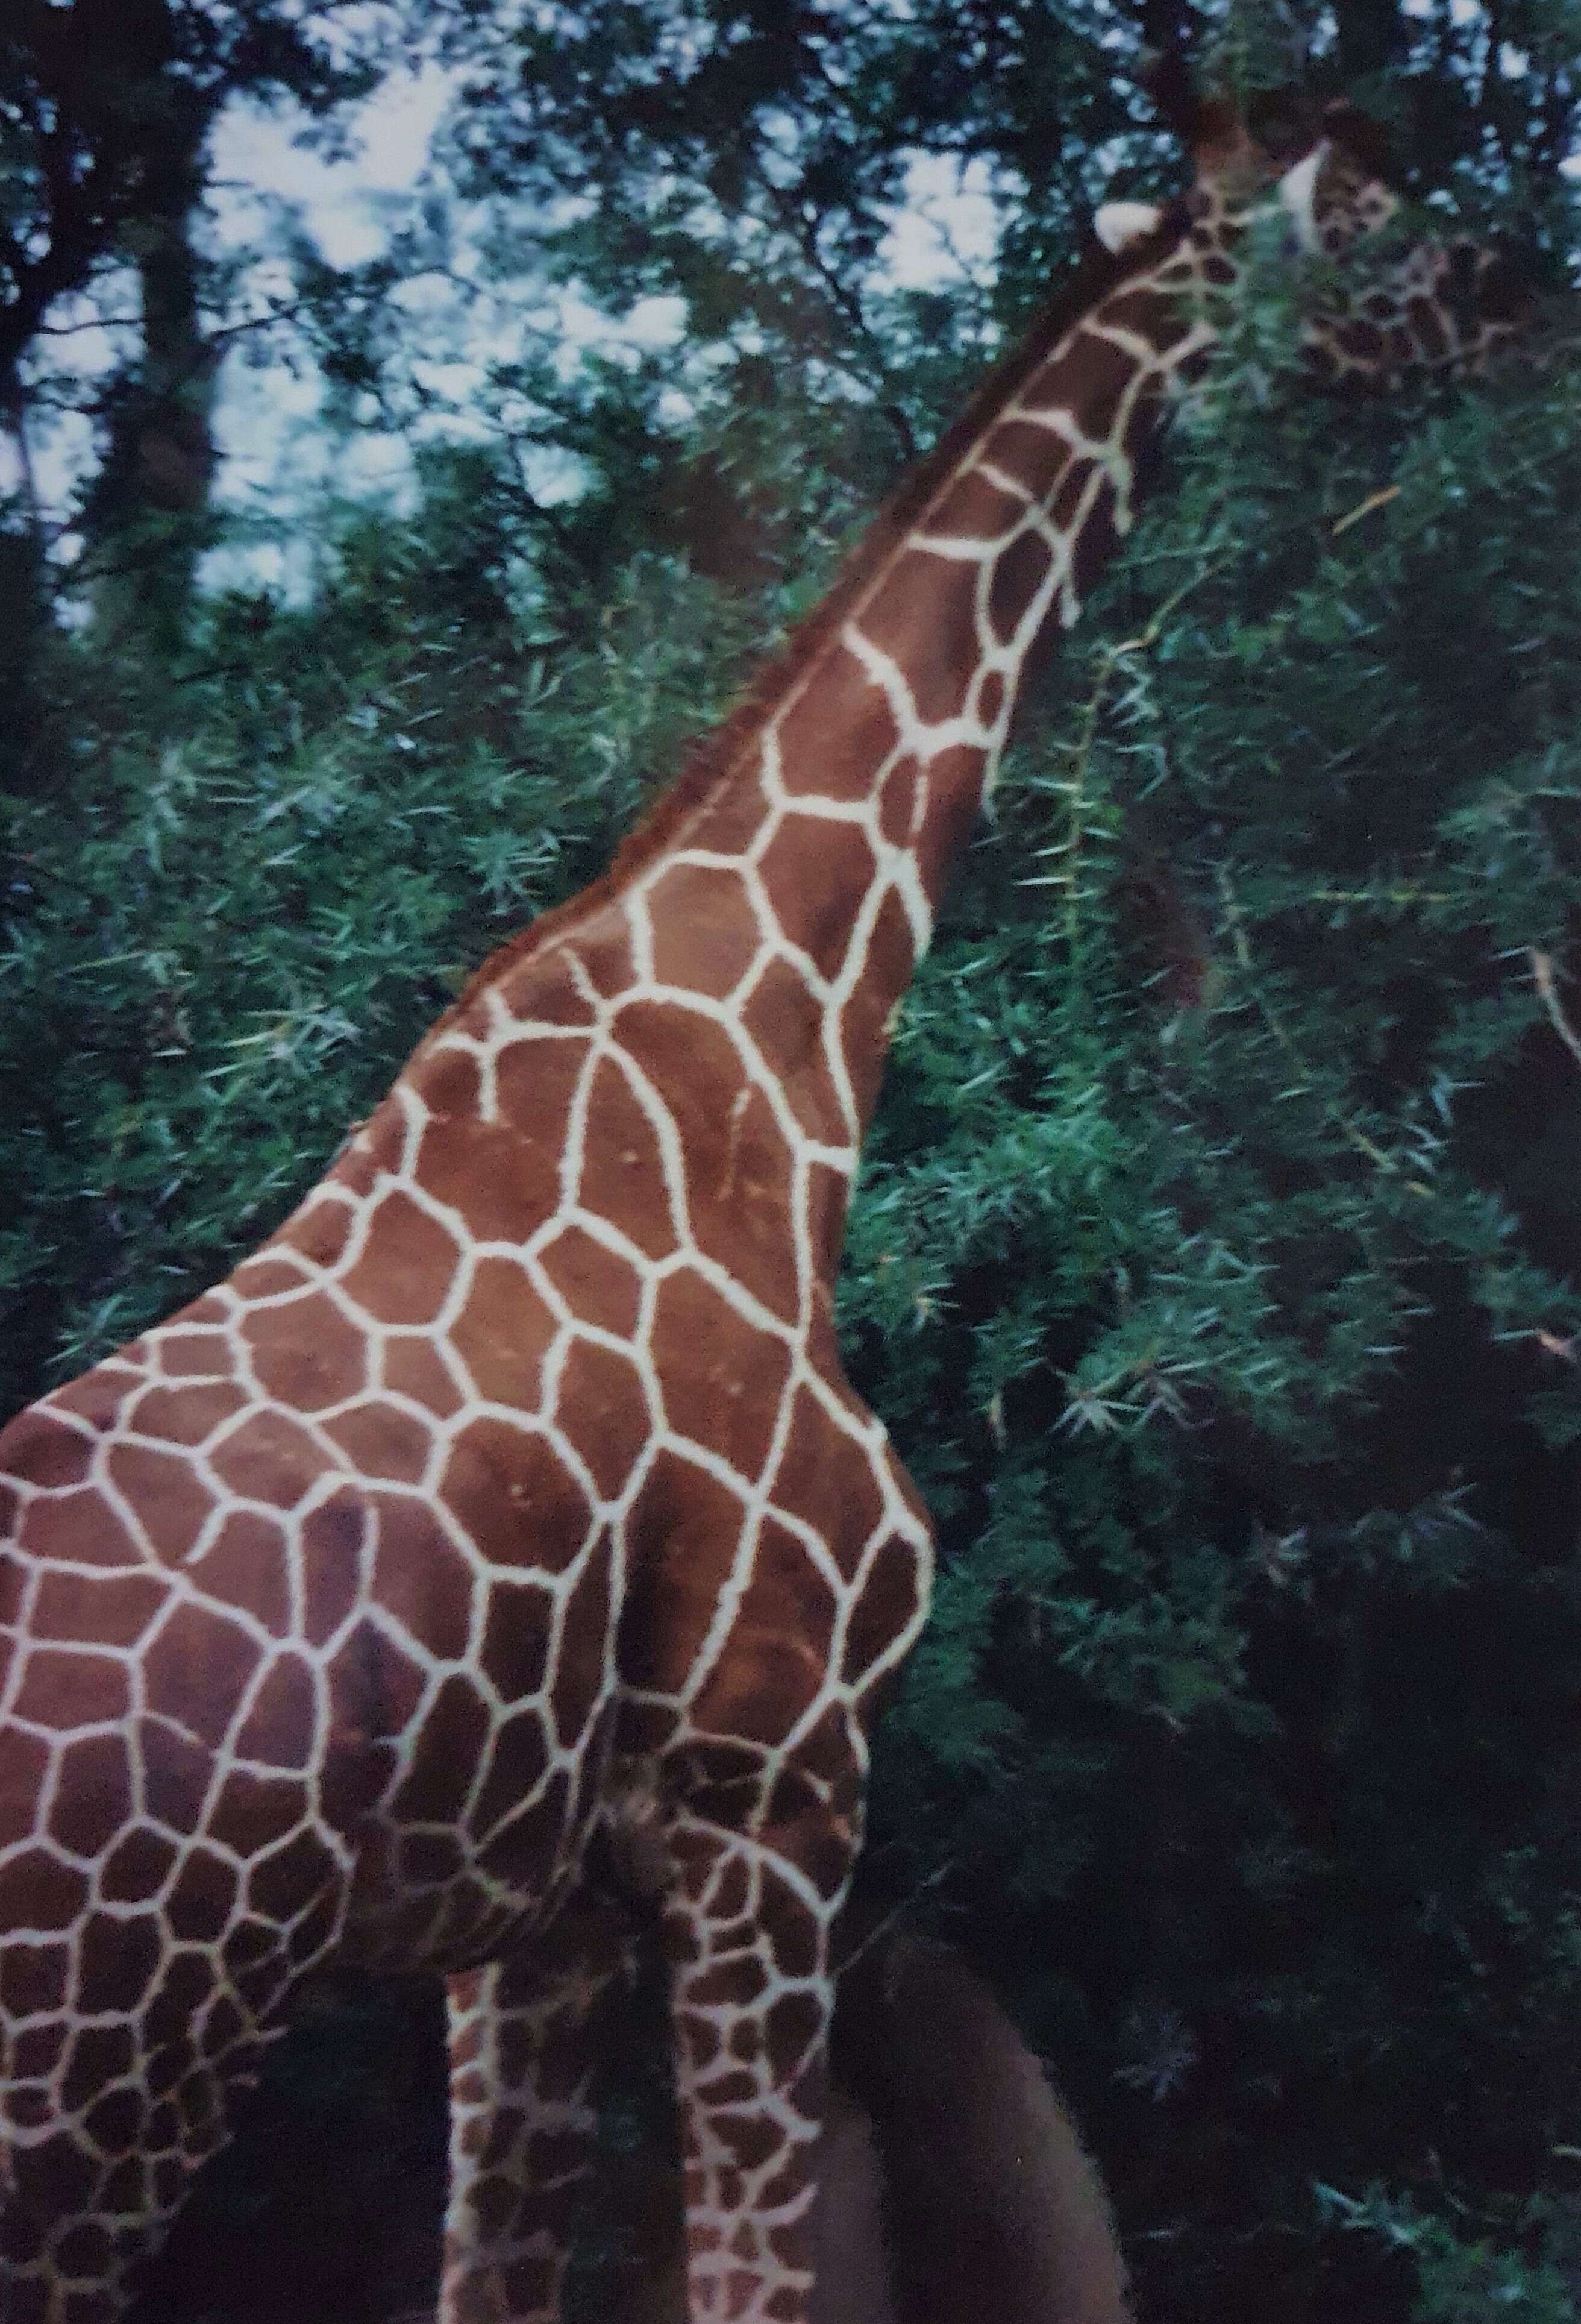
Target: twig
846 302
877 1934
16 422
1347 1128
1373 501
1542 977
1108 664
93 323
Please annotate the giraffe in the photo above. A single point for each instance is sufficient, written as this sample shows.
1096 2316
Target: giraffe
503 1538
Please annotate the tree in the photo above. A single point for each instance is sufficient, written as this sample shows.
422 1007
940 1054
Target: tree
1215 1261
106 110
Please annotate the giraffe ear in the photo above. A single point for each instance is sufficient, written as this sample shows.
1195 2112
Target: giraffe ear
1298 190
1119 225
1365 141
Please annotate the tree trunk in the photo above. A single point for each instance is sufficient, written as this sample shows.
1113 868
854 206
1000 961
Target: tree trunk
147 514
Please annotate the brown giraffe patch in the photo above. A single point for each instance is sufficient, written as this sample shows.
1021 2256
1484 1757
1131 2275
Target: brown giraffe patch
1100 538
321 1230
826 1476
186 1353
255 1812
730 822
954 776
33 1977
99 1397
39 1892
172 1502
282 1729
807 856
537 1835
381 1440
989 698
267 1274
137 1866
603 951
505 1484
1020 571
1036 455
865 1018
503 1334
887 1603
943 590
336 1537
413 1366
278 1879
24 1762
115 1609
515 1653
404 1270
623 1178
1071 496
602 1401
455 1731
595 1283
65 1687
94 1797
49 1453
706 935
309 1354
788 1615
722 1381
581 1671
452 1081
900 802
203 1899
836 730
1152 314
186 1416
682 1511
518 1763
976 508
422 1578
177 1768
196 1669
430 1860
737 1203
248 1564
1109 374
268 1457
503 1181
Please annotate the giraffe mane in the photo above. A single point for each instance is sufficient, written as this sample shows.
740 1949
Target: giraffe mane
713 756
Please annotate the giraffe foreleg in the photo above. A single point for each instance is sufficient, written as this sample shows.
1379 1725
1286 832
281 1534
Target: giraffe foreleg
748 1921
112 2104
527 2044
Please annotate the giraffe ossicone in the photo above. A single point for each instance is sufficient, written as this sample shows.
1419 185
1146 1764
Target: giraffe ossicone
1118 225
503 1542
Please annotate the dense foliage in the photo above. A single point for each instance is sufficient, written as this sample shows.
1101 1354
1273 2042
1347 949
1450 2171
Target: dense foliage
1218 1258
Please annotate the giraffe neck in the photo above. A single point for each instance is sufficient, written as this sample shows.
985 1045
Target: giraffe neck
792 879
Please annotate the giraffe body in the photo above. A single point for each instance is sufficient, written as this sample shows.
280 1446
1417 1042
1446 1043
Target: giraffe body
506 1524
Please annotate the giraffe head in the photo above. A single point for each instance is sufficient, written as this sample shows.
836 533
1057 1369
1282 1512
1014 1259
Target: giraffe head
1440 305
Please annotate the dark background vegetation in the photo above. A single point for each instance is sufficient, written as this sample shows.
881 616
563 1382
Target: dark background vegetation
1216 1259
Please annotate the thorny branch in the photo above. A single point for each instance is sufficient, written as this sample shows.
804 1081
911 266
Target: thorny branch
1240 942
1107 667
1543 978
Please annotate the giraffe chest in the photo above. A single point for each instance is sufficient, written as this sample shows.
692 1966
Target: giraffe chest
456 1475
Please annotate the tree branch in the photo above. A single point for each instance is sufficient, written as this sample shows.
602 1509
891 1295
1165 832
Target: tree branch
847 303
